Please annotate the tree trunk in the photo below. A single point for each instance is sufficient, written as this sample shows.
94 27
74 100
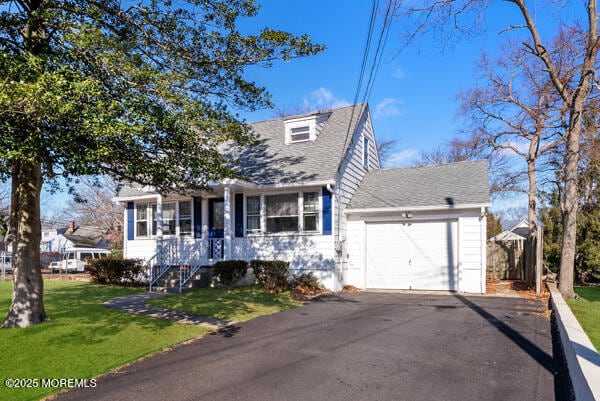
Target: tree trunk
532 221
27 307
567 258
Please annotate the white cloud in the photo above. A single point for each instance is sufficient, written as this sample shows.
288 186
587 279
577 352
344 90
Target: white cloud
323 98
388 107
403 158
399 73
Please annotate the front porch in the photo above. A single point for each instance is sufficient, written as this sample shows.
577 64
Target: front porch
234 221
305 253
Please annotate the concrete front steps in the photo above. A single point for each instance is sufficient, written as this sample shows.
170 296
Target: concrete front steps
169 282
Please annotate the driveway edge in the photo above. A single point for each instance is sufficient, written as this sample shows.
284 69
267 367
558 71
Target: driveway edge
582 358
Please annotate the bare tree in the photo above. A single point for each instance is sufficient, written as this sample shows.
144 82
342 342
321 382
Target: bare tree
384 148
455 150
92 205
517 110
451 18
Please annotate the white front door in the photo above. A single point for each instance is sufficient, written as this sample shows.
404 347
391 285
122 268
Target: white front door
415 255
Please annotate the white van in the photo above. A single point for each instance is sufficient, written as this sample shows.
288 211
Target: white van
5 262
74 259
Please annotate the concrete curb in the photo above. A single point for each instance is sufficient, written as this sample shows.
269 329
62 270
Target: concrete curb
582 358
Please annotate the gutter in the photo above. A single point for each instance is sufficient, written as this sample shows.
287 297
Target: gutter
396 209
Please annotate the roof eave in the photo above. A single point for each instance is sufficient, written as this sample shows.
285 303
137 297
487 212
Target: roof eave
433 208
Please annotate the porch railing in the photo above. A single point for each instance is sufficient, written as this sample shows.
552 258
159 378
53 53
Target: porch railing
215 248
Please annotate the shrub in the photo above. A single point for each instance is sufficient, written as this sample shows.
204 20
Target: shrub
274 275
229 271
114 270
306 280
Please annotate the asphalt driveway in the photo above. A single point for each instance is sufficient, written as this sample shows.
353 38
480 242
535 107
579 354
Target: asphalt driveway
365 346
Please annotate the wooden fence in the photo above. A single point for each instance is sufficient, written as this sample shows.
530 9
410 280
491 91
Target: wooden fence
517 260
506 260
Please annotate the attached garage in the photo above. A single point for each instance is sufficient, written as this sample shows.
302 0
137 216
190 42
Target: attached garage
419 228
412 256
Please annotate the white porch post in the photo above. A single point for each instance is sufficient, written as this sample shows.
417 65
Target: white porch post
125 231
159 233
227 223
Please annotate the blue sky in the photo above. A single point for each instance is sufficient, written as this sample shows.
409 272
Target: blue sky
413 100
414 97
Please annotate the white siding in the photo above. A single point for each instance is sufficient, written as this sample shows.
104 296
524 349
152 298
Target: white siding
140 248
306 253
352 172
354 273
472 254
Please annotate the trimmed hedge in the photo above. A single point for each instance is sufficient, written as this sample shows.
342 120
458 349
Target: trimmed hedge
273 275
115 270
229 271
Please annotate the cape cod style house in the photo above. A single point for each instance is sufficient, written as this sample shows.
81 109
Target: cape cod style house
316 196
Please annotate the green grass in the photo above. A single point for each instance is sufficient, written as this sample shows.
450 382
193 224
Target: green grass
83 339
237 304
587 311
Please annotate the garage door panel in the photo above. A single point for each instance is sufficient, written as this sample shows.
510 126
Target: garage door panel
411 255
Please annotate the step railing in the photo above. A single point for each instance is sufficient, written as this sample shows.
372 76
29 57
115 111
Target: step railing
156 271
186 272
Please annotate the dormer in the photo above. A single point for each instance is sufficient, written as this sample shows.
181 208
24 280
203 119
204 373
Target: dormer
305 128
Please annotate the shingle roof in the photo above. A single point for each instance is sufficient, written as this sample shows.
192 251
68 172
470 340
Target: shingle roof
274 162
133 189
271 161
430 186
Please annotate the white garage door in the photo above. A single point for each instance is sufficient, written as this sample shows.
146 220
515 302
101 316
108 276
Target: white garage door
417 256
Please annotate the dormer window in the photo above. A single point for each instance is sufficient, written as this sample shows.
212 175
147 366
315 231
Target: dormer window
301 129
299 134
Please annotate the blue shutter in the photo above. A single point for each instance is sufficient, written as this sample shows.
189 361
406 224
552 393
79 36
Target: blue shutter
327 215
130 223
239 215
197 217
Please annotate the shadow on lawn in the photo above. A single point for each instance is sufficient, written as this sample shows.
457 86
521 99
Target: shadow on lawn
83 304
237 304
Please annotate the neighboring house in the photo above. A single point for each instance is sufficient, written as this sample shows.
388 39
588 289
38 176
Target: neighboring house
519 232
315 196
73 236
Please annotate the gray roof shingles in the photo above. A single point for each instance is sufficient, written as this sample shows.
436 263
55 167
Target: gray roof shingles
274 162
271 161
449 185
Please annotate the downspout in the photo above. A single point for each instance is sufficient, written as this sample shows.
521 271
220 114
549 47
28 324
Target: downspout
483 263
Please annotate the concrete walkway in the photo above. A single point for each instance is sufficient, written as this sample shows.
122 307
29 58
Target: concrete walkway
137 304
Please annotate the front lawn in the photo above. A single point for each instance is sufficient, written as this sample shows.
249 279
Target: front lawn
587 311
83 339
238 304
